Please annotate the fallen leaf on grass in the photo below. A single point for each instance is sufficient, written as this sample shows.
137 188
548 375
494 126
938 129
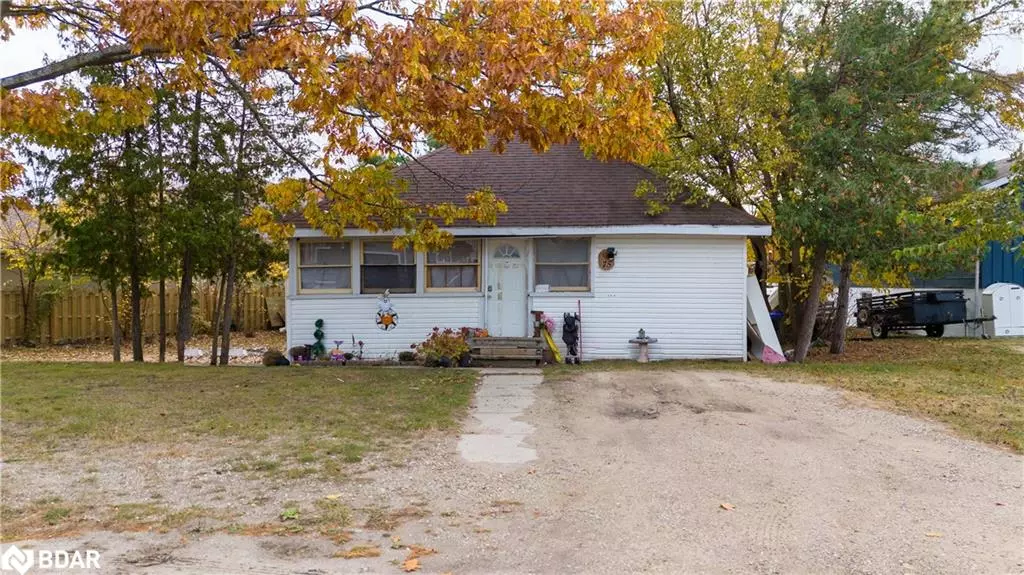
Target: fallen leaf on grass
727 506
417 551
396 542
411 565
333 496
933 534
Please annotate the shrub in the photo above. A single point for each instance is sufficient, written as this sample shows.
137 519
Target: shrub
406 356
445 342
273 357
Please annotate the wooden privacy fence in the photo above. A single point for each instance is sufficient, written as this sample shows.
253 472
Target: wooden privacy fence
83 314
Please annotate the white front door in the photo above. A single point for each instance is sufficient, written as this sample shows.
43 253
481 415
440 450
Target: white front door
506 288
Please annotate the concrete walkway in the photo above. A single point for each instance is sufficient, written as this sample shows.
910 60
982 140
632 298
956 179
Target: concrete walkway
496 435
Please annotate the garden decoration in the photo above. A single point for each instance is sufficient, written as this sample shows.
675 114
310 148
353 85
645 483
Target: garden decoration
571 336
387 317
336 353
318 350
606 259
547 328
643 342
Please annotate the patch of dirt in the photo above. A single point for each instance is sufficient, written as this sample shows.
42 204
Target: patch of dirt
289 548
634 412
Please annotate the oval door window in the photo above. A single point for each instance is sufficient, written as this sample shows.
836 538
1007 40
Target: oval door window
506 251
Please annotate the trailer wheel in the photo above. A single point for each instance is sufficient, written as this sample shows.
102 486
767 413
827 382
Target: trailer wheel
935 330
863 316
879 330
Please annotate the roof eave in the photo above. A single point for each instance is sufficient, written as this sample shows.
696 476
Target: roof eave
743 230
997 183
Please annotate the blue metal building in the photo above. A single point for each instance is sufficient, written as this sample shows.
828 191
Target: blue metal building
1003 264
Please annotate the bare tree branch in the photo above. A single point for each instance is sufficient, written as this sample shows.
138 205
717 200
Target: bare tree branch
251 106
111 55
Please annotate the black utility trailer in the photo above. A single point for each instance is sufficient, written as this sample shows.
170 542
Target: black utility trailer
930 311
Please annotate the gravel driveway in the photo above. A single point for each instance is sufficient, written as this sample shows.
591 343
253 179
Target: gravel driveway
686 471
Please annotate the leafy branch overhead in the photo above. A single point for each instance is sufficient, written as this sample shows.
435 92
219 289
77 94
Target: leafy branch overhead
371 78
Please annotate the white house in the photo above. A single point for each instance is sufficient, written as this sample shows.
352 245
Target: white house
681 275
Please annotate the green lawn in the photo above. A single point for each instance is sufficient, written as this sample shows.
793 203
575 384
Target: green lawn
306 412
975 386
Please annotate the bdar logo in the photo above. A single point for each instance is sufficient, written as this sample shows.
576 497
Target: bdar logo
16 559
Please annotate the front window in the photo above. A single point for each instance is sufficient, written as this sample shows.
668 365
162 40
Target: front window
456 268
325 266
563 264
385 268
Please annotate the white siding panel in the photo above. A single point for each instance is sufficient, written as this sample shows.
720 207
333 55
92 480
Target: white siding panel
348 316
686 292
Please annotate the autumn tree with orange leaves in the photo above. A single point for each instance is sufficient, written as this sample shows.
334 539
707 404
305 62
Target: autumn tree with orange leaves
373 77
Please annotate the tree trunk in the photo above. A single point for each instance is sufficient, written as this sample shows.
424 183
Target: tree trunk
28 310
787 297
162 297
136 295
761 266
233 264
809 309
184 327
838 344
134 264
185 287
218 307
161 250
229 291
115 322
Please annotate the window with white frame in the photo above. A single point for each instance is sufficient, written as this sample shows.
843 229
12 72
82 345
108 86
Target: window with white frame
385 268
563 264
325 266
456 268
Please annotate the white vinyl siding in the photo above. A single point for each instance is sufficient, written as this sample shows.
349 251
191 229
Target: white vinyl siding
687 292
346 317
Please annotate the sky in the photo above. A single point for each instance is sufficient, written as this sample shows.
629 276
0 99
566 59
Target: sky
28 49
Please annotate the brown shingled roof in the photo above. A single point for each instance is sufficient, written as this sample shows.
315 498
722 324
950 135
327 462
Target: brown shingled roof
562 187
